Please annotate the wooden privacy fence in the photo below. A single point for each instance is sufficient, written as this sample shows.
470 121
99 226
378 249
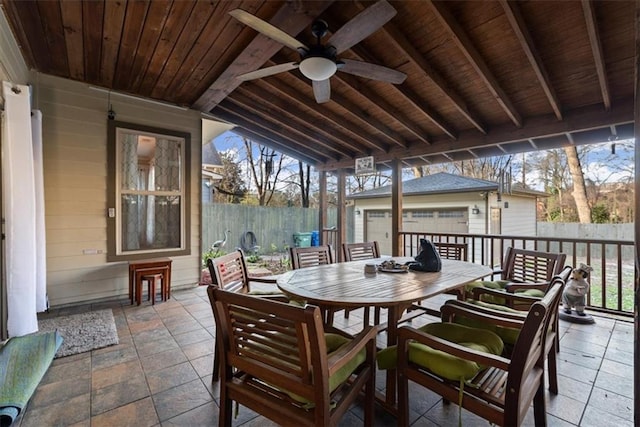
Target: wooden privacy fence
273 227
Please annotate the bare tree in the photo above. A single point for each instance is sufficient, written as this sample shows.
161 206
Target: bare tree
579 188
304 173
263 170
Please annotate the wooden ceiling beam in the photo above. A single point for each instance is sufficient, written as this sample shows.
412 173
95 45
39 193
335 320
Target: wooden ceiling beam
596 48
400 43
577 120
274 108
328 116
409 96
393 113
462 40
520 29
285 128
290 19
265 129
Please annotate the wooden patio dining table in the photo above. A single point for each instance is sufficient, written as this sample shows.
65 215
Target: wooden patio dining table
345 285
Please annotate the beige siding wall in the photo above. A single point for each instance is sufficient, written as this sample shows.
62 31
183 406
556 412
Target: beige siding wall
454 200
518 219
75 175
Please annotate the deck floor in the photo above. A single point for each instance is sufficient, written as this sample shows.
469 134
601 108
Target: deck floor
160 374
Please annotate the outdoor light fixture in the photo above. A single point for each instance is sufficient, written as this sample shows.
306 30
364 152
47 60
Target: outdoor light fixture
357 211
317 68
475 210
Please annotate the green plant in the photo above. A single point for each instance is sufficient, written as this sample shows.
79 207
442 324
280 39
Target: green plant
211 253
254 258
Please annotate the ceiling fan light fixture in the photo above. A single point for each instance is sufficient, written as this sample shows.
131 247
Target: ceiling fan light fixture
318 68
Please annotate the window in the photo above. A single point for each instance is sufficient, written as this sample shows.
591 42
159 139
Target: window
422 214
148 197
451 214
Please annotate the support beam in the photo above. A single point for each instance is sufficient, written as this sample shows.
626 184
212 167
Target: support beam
322 214
596 48
342 213
396 208
512 10
636 303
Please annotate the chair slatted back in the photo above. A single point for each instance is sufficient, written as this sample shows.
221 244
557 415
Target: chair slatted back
360 251
527 266
229 272
456 251
311 256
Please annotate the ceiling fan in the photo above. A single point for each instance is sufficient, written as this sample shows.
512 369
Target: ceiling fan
320 61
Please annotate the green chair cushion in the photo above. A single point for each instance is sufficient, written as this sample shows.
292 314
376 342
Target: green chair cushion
334 342
441 363
497 307
259 292
531 293
491 284
508 335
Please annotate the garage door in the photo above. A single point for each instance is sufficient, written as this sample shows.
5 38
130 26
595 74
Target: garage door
378 224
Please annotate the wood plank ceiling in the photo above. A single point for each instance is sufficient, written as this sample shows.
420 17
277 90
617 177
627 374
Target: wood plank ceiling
483 77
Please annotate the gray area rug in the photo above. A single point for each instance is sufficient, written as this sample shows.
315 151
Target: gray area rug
82 332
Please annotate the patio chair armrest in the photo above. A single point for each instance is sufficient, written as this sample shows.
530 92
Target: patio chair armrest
346 353
263 279
451 307
500 293
565 273
495 317
408 333
515 286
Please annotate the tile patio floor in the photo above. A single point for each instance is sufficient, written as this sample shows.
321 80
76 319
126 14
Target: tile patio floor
160 375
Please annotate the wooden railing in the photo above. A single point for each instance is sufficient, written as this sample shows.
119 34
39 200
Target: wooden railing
612 280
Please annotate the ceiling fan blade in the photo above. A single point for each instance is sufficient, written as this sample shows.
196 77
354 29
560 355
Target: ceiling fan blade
372 71
267 29
362 25
322 90
268 71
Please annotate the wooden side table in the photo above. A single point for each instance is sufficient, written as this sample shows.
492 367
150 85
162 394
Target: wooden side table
140 268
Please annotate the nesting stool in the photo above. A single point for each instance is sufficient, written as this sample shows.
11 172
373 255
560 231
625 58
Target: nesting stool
146 270
151 280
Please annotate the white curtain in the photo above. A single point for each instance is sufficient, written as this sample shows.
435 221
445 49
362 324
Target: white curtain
23 211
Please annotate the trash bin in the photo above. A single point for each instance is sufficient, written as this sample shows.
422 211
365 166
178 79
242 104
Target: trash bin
302 240
315 238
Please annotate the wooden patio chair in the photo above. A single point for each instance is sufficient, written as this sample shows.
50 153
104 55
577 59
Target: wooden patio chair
358 252
277 361
524 266
478 314
311 256
493 387
229 272
457 251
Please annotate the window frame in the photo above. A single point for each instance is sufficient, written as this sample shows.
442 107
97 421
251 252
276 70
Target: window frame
114 194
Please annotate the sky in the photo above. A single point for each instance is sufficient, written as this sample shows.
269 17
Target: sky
599 164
